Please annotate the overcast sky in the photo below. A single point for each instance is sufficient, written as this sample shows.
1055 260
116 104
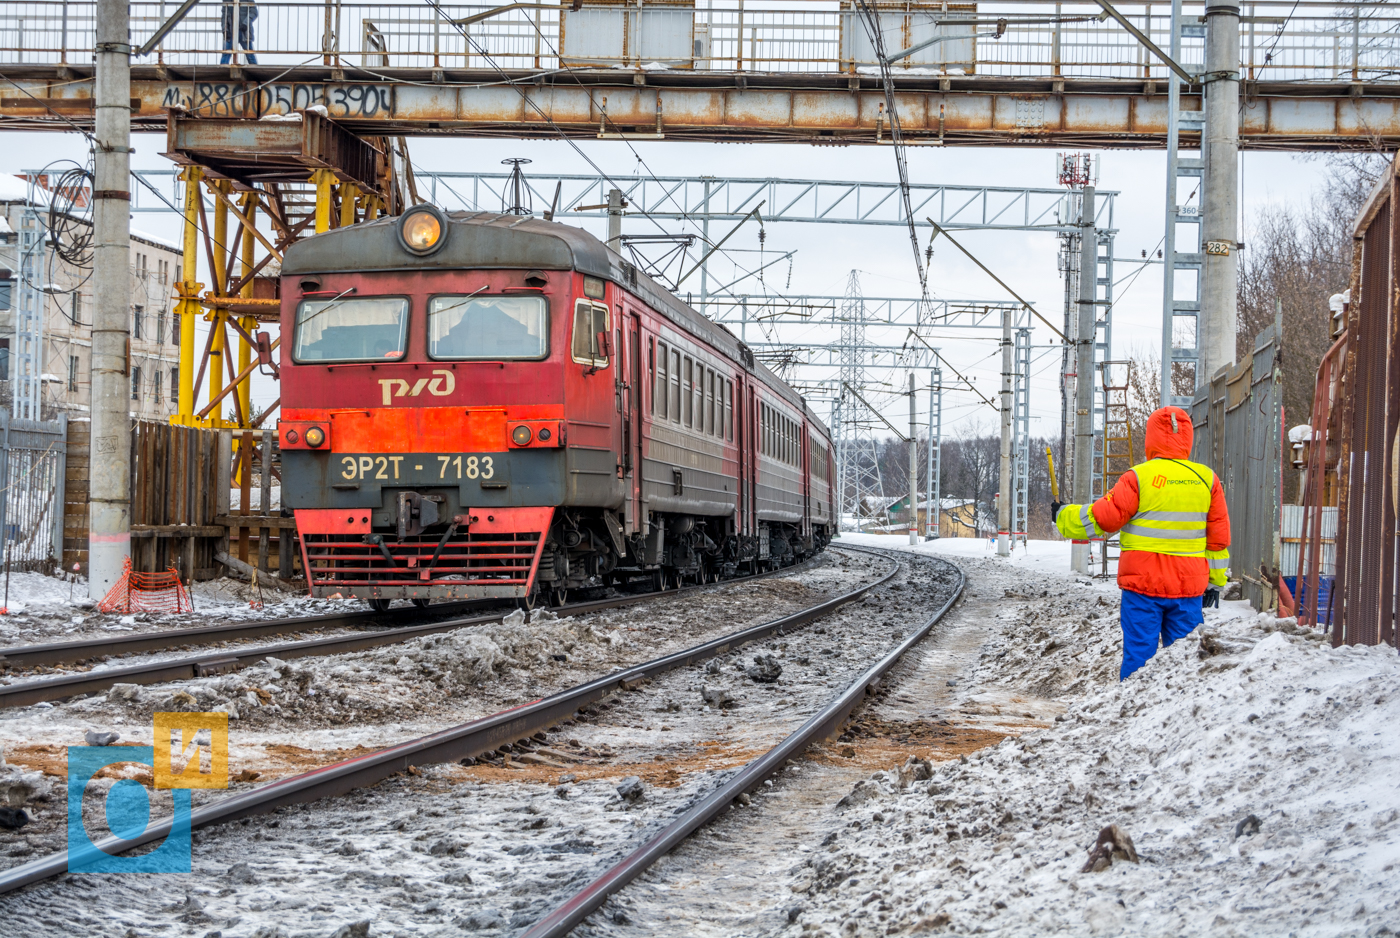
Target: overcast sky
825 254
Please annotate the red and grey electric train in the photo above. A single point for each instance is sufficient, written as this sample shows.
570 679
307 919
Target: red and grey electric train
492 406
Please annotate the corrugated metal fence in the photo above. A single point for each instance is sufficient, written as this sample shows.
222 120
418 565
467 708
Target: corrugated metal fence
1363 603
1238 423
32 455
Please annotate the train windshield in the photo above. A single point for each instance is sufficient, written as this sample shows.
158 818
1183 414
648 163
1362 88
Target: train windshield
361 329
492 328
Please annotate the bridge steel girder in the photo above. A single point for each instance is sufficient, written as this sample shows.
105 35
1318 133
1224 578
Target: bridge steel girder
253 152
772 107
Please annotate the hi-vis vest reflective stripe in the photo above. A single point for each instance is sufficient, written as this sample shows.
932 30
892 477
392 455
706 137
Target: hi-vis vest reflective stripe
1173 502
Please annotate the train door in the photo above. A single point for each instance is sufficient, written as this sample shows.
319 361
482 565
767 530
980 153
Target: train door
804 458
632 421
741 443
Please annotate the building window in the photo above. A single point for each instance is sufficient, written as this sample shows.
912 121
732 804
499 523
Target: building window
72 372
136 384
5 291
174 328
138 314
164 268
4 359
174 385
77 308
160 331
155 385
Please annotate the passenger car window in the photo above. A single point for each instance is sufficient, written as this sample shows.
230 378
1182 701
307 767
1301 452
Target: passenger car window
489 328
363 329
589 320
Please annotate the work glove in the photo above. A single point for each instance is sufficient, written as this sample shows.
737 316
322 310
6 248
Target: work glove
1055 510
1210 598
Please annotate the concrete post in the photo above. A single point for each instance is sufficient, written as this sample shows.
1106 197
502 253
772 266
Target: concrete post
109 524
1084 369
913 467
615 219
1004 477
1219 202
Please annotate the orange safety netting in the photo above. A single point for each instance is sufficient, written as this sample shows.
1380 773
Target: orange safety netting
147 592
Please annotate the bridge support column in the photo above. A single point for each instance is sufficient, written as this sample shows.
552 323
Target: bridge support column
188 308
323 180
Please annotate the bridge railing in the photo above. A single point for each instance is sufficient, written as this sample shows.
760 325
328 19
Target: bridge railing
1279 41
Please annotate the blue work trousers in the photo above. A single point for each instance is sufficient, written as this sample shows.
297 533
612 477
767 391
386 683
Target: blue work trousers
1148 620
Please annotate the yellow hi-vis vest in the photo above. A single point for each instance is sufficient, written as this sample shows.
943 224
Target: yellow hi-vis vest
1173 503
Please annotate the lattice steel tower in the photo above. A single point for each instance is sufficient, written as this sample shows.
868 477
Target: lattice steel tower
858 464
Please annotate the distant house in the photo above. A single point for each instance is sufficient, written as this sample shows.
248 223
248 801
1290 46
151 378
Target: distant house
957 517
66 295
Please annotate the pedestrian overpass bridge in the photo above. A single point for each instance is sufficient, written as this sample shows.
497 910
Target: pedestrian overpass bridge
1314 75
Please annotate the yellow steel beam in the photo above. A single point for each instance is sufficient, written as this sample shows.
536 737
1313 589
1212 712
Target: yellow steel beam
245 351
323 180
349 196
188 307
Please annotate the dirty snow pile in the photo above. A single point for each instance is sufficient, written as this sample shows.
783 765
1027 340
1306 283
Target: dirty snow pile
1252 766
383 683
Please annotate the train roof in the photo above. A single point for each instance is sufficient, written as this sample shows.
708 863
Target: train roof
490 240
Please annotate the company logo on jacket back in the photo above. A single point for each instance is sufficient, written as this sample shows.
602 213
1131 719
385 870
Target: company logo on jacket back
1160 480
439 386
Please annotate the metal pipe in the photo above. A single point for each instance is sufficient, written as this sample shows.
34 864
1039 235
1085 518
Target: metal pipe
1169 237
1084 369
188 309
1004 493
1220 226
109 516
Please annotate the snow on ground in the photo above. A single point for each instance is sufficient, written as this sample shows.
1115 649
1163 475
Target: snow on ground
45 608
1250 764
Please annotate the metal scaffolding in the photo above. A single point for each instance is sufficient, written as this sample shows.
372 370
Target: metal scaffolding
858 456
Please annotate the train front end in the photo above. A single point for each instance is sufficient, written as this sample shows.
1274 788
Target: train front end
423 420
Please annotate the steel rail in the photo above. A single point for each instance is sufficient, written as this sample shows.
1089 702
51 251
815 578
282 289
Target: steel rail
449 745
50 653
823 724
25 693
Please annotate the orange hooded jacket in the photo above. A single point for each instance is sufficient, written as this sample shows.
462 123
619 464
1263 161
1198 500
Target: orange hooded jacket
1163 575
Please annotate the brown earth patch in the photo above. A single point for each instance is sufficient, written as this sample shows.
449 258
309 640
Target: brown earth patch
878 744
53 761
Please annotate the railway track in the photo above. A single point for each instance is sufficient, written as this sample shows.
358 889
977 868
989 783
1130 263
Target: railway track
467 741
822 724
60 687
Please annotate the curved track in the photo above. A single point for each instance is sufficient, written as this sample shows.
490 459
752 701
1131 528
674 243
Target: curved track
468 740
820 725
25 693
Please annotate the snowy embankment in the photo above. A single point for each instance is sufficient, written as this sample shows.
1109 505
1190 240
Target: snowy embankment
1253 766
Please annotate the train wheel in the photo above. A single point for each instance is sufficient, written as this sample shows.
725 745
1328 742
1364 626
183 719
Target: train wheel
658 580
378 605
557 597
422 603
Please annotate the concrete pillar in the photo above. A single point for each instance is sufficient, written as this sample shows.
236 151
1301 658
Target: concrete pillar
109 520
913 468
1084 369
1219 201
1004 477
615 219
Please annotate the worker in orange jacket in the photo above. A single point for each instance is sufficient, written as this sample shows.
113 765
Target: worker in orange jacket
1174 533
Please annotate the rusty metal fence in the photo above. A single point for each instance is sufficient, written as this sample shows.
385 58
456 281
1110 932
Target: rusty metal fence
32 455
1238 420
1363 599
1279 40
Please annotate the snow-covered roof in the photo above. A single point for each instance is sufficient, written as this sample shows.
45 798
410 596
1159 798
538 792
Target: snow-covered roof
157 241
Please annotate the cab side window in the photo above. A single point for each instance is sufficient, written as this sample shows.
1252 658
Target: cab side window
590 320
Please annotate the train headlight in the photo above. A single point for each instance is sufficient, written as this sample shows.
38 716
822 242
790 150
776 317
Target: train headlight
422 229
521 435
315 436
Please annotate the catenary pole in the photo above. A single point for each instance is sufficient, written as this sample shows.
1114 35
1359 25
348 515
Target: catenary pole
1084 369
913 466
109 524
934 506
615 219
1220 224
1004 477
